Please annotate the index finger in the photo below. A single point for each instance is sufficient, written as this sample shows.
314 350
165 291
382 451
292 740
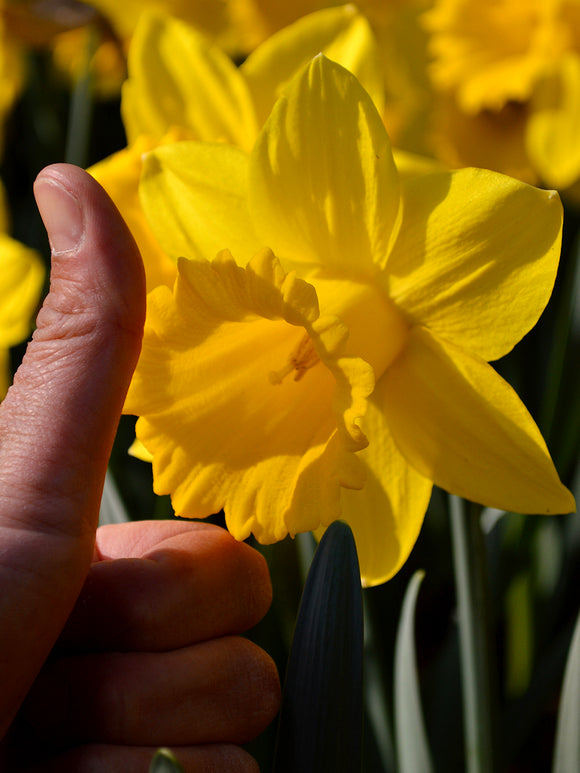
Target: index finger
161 585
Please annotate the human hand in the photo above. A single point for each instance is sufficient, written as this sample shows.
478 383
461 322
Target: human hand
117 644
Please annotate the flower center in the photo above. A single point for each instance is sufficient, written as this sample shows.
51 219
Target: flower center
301 358
377 329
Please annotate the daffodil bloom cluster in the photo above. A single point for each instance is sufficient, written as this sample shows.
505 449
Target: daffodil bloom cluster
324 351
21 281
509 74
181 85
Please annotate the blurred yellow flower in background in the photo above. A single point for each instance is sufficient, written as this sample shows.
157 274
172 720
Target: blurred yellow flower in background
402 40
237 26
80 40
343 370
11 72
509 74
209 15
21 281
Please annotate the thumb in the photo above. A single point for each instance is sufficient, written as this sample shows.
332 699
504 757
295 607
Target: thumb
59 419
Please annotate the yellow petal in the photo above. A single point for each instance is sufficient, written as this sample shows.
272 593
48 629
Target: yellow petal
5 374
119 175
462 426
343 34
227 424
12 70
138 450
21 279
387 513
476 257
554 124
194 198
178 78
209 15
253 21
412 164
323 185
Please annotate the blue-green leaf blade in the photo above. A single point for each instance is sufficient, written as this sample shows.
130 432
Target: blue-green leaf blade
320 725
567 746
412 745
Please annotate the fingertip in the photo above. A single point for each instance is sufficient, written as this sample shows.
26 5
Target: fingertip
61 214
82 221
261 583
249 568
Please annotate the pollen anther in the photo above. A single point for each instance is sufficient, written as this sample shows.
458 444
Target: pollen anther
302 358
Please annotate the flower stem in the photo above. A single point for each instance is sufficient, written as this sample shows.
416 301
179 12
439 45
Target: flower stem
79 124
472 591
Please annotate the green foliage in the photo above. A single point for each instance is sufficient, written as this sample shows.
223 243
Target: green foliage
412 746
567 749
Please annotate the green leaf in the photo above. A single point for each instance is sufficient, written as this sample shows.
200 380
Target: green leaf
112 508
412 745
320 725
519 634
165 761
478 674
567 748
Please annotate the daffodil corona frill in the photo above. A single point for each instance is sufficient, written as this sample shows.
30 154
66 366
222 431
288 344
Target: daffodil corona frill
343 370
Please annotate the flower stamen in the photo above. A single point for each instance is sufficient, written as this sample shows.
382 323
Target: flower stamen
302 358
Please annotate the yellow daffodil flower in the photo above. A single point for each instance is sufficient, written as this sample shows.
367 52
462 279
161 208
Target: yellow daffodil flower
339 365
11 72
95 50
183 86
21 280
513 65
403 48
252 22
209 15
237 26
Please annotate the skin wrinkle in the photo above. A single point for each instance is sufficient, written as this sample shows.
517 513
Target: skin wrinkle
43 365
116 319
46 518
52 326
